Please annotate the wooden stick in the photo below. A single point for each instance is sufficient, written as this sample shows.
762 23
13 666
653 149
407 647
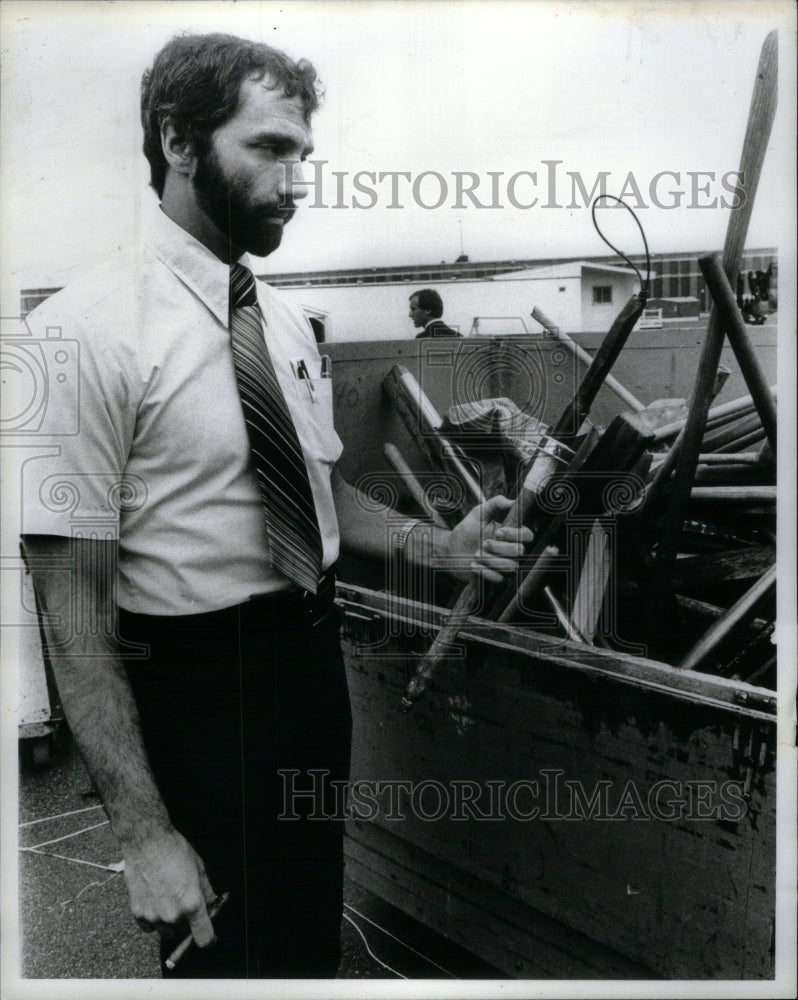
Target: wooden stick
734 406
737 458
423 422
718 415
416 490
757 136
468 601
749 650
578 351
720 567
547 533
665 469
530 583
715 423
714 458
564 619
734 324
572 417
711 612
716 439
742 442
734 494
760 672
733 617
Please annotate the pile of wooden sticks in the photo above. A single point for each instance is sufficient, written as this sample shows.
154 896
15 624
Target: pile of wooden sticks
651 534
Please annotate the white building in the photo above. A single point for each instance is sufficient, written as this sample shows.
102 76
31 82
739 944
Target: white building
577 296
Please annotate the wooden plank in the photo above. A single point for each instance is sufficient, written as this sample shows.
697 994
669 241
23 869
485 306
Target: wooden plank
419 619
593 582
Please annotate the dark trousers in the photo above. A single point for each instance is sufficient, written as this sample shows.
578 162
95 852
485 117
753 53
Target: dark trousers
227 701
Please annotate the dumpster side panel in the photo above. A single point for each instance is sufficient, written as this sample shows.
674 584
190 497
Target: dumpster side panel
640 821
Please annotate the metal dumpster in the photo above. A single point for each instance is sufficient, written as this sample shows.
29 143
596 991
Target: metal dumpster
561 810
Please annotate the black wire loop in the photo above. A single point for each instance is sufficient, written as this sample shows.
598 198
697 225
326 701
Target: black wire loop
644 285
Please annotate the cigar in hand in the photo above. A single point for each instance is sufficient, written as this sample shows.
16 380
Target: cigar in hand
187 941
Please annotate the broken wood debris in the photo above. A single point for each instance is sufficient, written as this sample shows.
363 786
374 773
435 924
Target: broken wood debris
649 533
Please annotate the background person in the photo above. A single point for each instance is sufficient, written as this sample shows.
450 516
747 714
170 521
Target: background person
426 310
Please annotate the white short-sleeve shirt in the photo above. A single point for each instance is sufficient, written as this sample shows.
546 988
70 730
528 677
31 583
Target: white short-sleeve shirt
152 439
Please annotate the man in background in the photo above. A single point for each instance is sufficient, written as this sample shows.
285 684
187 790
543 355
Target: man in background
426 310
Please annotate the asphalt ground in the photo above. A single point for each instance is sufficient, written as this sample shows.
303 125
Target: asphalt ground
74 919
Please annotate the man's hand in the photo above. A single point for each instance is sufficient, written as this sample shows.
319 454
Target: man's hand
479 543
494 549
167 883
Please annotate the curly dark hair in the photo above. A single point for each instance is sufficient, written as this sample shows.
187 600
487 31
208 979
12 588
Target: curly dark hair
195 82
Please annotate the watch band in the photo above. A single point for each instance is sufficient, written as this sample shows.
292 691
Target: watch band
402 535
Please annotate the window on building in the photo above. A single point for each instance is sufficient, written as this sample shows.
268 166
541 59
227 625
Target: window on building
602 294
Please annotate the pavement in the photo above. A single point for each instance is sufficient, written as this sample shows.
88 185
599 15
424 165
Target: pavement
74 919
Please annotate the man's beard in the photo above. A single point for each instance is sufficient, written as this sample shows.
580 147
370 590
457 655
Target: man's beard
228 205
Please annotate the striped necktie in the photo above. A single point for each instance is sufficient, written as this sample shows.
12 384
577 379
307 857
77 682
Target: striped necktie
294 540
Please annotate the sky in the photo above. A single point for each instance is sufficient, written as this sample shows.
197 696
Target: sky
491 91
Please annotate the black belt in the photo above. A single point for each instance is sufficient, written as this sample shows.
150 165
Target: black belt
315 608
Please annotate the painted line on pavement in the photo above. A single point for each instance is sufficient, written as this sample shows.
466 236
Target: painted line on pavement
371 953
404 944
66 836
74 812
116 867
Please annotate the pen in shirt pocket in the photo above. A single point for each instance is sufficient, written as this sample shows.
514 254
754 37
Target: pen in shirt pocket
326 366
301 371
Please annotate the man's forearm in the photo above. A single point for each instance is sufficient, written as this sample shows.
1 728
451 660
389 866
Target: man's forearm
80 627
371 531
73 579
102 715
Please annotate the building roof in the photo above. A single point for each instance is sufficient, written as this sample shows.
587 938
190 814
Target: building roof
569 269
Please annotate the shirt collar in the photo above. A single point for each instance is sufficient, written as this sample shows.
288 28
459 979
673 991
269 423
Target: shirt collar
196 266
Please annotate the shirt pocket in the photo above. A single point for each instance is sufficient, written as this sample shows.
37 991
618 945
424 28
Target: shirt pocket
313 418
